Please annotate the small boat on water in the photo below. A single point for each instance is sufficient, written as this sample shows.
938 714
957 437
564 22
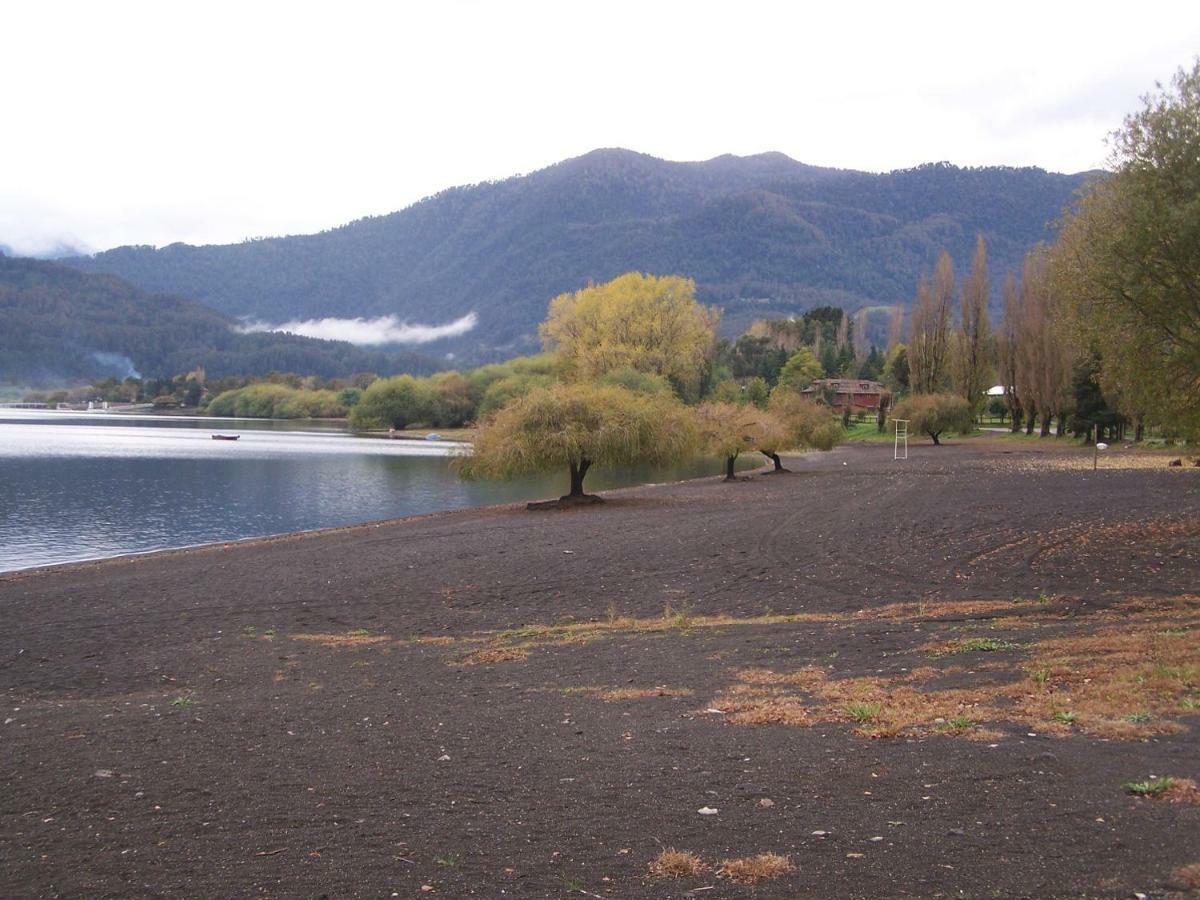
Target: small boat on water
225 437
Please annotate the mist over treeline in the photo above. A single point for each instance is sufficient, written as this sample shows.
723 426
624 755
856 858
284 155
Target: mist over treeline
62 326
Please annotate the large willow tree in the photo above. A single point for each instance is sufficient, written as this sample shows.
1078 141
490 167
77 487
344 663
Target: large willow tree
574 427
643 322
1129 257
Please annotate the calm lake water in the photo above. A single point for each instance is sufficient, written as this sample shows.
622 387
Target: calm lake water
76 487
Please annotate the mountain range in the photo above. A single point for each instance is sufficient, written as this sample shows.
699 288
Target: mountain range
763 236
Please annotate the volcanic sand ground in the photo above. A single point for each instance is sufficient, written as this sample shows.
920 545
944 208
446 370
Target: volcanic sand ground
924 678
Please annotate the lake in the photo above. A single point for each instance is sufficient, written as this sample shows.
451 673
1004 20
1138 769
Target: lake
84 486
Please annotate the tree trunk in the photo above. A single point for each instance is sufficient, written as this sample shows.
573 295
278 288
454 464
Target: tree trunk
934 435
577 473
1139 430
729 461
1016 421
1045 432
1062 426
774 457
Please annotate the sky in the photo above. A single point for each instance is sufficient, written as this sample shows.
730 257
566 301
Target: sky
213 122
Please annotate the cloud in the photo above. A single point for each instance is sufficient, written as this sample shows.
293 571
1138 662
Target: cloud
383 330
121 365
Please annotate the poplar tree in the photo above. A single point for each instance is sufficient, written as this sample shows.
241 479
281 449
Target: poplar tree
974 347
929 333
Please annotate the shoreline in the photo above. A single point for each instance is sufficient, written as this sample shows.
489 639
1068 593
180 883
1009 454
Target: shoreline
495 699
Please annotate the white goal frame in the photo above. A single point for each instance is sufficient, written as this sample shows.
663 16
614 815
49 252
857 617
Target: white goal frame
901 426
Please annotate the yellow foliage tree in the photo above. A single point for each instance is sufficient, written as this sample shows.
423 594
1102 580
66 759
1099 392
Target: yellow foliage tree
644 322
577 426
804 425
727 429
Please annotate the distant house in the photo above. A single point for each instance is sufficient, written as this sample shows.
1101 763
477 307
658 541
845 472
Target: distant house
855 393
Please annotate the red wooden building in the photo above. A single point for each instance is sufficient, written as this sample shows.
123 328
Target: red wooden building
856 393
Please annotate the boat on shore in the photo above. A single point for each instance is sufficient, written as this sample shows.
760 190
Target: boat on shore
225 437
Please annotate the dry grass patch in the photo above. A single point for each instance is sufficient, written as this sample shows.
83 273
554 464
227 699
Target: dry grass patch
752 869
674 863
1121 681
351 639
437 640
618 695
756 705
934 610
491 655
670 622
878 707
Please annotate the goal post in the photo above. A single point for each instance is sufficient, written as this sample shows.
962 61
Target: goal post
900 451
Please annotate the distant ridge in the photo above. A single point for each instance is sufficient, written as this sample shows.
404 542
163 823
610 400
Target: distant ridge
763 235
61 325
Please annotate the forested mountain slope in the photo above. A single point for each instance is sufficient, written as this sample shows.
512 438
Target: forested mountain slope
761 235
58 325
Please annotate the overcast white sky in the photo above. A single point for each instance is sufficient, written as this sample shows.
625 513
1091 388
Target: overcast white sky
131 122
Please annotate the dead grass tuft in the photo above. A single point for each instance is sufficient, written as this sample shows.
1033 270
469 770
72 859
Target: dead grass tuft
1184 790
438 640
1186 878
674 863
752 869
351 639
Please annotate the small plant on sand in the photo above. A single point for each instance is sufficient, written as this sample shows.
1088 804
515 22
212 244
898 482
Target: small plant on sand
1041 677
249 631
1191 703
358 632
751 869
961 723
672 863
183 701
447 859
1150 788
862 713
1066 718
984 645
1137 718
678 618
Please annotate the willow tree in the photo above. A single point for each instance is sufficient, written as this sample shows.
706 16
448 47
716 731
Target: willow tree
806 425
727 430
647 323
576 427
934 414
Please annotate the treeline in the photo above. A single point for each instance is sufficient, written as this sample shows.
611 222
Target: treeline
1100 330
62 326
634 360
